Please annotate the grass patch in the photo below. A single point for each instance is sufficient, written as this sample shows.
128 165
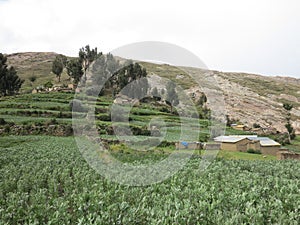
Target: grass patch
295 145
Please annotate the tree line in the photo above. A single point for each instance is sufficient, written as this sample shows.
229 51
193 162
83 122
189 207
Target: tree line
10 82
108 73
76 67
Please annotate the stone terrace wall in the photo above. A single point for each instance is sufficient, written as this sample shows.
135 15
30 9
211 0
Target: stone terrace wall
281 155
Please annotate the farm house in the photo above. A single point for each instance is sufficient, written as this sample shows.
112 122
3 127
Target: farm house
266 145
233 143
242 143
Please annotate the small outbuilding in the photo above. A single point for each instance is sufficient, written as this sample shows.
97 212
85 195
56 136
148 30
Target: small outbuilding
238 126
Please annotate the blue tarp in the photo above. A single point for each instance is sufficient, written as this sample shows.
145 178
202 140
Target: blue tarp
185 144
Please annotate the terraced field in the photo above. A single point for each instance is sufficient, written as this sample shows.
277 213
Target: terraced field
38 107
55 108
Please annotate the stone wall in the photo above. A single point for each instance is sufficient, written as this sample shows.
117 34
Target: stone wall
282 155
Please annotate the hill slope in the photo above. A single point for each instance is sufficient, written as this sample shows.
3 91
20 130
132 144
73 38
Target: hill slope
249 98
38 64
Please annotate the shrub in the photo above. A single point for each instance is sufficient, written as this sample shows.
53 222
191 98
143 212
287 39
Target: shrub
165 109
2 121
164 144
203 137
109 130
39 124
140 131
60 114
256 125
104 117
32 78
100 110
7 128
121 148
48 84
252 151
283 139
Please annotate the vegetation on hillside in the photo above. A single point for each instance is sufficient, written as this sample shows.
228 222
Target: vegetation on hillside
10 83
87 56
58 65
291 132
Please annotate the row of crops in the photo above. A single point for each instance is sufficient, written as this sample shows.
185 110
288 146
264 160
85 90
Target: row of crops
37 107
45 180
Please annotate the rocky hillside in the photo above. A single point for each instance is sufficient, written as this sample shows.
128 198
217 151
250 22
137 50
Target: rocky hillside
32 63
37 64
249 98
259 99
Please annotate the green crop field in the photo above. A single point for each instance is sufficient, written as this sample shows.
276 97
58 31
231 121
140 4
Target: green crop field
37 109
45 180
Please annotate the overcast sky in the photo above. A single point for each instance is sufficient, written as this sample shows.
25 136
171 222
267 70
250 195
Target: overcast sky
257 36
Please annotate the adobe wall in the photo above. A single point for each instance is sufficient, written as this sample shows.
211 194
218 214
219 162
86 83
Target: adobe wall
269 150
212 146
228 146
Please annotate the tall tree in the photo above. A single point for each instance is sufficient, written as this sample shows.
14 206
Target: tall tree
87 56
58 65
136 74
291 132
74 70
10 83
172 96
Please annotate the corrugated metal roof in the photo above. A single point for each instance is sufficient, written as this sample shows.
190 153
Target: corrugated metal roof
268 142
232 138
264 141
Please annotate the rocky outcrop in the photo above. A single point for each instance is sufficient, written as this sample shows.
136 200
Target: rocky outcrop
248 98
55 130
